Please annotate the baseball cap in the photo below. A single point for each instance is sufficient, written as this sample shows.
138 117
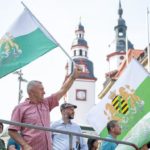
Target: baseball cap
66 105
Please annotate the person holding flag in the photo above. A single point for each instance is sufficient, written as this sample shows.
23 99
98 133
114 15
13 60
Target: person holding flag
25 41
35 110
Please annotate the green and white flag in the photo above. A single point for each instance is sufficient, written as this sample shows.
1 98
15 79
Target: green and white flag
127 101
24 42
138 135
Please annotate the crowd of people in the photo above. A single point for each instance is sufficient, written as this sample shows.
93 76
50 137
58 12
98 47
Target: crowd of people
61 141
36 110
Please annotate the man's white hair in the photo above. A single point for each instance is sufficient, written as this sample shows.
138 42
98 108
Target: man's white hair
32 84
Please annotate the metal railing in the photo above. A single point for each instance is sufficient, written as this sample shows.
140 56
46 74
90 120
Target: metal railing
70 134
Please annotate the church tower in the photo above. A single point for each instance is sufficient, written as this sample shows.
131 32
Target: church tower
82 92
121 41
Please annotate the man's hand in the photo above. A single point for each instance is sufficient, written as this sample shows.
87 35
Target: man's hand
77 71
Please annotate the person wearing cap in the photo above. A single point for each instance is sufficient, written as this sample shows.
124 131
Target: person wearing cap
2 143
61 141
36 110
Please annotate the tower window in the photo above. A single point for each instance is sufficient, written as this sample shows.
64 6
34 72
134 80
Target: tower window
80 52
85 54
120 33
121 45
75 53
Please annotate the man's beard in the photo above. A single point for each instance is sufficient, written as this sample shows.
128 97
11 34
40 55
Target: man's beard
71 117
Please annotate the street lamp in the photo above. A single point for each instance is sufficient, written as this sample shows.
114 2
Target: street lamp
20 79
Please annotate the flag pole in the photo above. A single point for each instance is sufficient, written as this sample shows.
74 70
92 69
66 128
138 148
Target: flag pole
48 33
148 46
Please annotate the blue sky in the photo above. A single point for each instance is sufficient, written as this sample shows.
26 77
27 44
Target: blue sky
60 18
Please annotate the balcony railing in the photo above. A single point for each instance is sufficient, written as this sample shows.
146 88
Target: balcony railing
70 134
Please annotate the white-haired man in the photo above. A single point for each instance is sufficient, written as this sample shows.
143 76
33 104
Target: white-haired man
35 110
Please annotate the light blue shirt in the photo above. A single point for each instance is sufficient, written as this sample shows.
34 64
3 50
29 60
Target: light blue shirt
108 145
61 141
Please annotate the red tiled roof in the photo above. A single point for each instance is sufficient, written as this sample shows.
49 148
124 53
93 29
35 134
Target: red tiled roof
130 54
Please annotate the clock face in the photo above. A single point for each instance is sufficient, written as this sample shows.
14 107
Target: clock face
81 94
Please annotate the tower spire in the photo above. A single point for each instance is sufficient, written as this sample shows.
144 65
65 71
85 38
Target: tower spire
120 10
121 41
79 46
121 33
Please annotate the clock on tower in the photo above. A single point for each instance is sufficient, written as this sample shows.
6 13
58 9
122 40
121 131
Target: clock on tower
81 94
